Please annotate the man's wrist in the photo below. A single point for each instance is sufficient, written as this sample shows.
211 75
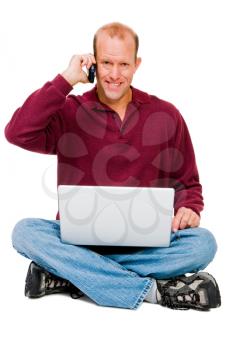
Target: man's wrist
68 78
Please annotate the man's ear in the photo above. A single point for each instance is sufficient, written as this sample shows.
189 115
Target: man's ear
137 63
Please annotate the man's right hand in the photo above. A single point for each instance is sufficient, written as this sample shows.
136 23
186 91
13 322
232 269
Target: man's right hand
74 73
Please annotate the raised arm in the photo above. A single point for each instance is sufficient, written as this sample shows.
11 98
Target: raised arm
36 125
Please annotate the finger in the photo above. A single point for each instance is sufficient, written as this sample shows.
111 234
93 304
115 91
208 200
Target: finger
91 61
185 219
87 60
194 220
177 219
84 60
175 224
92 57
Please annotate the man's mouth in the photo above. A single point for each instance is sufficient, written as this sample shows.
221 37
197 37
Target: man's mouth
113 86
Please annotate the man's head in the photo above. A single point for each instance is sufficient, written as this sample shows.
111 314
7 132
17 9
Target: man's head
115 50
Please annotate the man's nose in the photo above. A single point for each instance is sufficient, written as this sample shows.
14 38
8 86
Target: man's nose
114 73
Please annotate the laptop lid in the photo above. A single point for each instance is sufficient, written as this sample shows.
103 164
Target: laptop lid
115 215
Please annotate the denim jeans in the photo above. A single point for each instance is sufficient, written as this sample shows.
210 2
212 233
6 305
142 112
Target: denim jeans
113 276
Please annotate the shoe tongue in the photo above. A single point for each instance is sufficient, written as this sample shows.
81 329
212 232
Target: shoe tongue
195 284
179 285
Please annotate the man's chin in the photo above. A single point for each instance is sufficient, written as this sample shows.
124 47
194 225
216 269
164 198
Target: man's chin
113 96
110 95
116 95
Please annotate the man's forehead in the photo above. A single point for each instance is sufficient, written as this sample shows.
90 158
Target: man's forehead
115 47
104 39
104 56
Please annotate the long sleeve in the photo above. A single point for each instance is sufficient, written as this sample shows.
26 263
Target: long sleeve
188 190
35 126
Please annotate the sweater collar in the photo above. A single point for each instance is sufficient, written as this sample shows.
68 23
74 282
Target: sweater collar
138 97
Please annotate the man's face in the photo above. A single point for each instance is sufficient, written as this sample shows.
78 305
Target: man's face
116 66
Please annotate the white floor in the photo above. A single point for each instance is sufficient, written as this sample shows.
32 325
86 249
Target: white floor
59 322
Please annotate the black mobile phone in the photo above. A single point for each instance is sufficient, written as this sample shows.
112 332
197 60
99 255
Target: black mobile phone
92 73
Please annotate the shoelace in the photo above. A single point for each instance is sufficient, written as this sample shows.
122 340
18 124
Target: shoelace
51 283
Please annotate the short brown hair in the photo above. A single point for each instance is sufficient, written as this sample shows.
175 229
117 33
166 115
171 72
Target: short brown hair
116 29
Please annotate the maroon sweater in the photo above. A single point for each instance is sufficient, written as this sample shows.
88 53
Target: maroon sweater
150 147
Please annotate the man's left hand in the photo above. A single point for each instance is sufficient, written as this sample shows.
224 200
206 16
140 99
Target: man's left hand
185 217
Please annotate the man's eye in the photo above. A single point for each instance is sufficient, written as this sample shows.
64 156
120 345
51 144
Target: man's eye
106 62
124 64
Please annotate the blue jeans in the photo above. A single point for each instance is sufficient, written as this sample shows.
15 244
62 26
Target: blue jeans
113 276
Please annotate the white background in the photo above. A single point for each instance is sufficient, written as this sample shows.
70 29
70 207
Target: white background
186 50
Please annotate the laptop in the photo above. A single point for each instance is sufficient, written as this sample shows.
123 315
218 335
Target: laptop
115 215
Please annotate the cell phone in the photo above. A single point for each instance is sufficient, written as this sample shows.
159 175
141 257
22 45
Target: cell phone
92 73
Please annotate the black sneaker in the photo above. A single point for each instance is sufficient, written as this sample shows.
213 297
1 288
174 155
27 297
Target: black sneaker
198 291
40 282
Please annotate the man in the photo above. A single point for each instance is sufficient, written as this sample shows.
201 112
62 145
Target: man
112 135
